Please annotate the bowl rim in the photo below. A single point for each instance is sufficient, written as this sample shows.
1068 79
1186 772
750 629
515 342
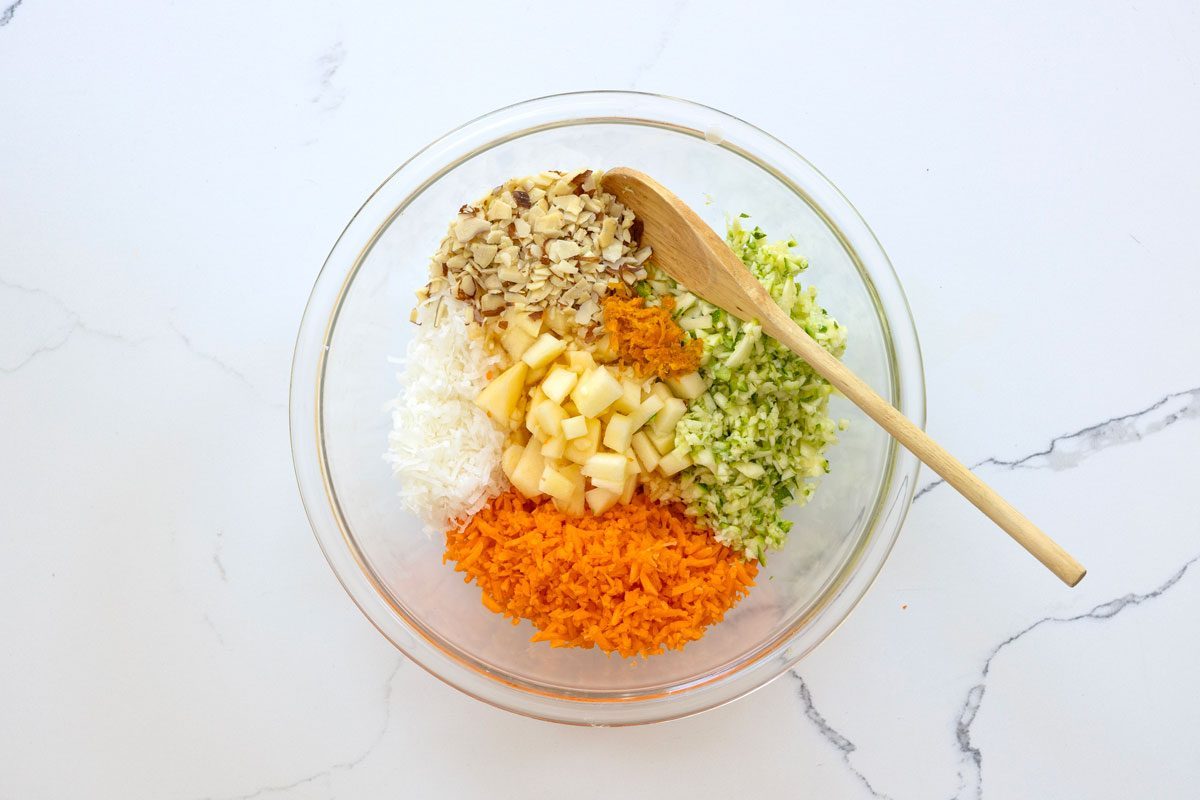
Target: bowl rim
844 590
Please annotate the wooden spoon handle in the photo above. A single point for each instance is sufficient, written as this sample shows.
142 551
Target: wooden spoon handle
692 253
1016 524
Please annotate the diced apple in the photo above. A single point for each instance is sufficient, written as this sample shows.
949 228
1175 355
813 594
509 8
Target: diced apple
649 407
499 398
609 467
557 321
631 484
646 452
595 392
555 484
673 462
617 433
574 505
535 375
604 351
660 390
548 417
632 465
559 383
545 349
664 443
665 421
519 435
574 427
615 487
554 447
524 321
580 361
516 341
510 459
527 475
581 449
531 420
687 387
601 500
631 397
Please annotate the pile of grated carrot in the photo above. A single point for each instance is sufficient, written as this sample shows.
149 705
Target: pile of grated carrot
635 580
648 339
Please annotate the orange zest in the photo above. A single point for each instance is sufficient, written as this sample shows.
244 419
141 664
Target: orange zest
648 339
635 580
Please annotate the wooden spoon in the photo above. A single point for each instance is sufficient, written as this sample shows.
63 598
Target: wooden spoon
693 254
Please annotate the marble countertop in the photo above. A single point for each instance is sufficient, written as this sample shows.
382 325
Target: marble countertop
171 178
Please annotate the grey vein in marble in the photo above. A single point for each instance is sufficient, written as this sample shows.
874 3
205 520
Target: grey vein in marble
1072 449
328 96
216 557
7 14
971 771
341 766
225 367
836 739
75 323
212 627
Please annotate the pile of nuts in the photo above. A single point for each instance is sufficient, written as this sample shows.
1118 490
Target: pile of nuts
550 242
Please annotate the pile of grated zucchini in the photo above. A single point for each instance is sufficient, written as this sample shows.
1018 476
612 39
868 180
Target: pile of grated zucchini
758 435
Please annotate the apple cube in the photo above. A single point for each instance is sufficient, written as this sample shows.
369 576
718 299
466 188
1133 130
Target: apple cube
660 390
524 321
646 452
581 449
631 484
604 349
554 447
687 387
545 349
663 443
631 397
508 461
546 418
574 427
673 462
527 476
559 383
666 420
515 341
499 398
649 407
558 321
607 467
580 361
574 505
617 433
535 375
601 500
555 484
595 392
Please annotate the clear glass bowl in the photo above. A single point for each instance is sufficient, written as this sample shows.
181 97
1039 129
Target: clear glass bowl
357 317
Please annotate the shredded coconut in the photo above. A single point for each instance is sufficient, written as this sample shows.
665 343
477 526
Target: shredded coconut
443 448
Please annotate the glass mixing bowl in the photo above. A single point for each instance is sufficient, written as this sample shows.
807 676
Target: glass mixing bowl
358 318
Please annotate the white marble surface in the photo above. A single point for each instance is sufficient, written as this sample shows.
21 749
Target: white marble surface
171 178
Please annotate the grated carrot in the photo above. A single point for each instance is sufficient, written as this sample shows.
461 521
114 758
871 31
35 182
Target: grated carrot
648 339
635 580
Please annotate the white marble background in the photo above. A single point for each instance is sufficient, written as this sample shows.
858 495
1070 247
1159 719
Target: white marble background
171 178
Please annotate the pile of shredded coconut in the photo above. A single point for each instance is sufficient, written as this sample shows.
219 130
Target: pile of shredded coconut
444 448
